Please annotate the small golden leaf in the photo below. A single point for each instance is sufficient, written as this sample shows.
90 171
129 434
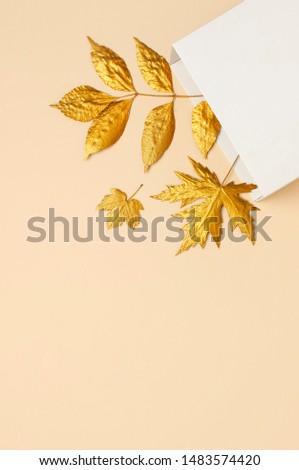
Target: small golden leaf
111 68
107 127
154 68
121 209
83 103
205 217
157 134
205 127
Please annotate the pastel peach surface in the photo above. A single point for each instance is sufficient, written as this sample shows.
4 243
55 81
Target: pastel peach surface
122 344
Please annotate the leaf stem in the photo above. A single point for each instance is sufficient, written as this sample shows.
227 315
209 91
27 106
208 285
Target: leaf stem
188 96
130 95
155 95
229 171
172 95
135 192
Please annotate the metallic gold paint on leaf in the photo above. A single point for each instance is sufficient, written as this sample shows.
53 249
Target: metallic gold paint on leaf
83 103
206 217
107 127
111 68
157 134
205 127
154 68
121 209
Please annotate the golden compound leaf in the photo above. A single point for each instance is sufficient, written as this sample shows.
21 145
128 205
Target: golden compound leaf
205 127
83 103
110 114
111 68
157 134
205 217
107 127
154 68
121 209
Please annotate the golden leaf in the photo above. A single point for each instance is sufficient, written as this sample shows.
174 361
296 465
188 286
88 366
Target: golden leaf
205 127
154 68
157 133
107 127
83 103
121 209
205 217
111 68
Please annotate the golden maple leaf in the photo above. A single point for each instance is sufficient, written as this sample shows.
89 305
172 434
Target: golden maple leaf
205 217
121 208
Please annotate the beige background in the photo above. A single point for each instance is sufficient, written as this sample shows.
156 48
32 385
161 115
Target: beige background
124 345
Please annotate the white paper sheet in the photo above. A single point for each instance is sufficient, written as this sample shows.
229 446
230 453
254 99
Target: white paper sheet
246 63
